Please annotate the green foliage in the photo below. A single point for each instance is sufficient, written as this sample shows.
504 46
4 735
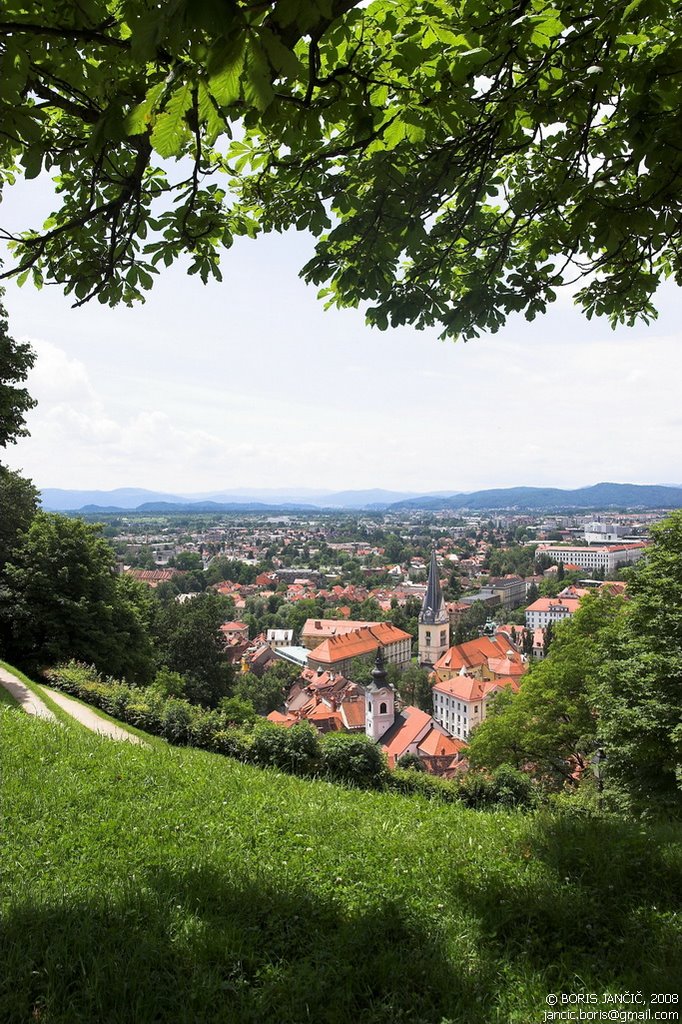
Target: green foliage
550 724
352 758
62 600
265 693
188 560
188 641
411 762
295 750
18 505
417 143
226 569
518 559
415 687
639 687
16 359
237 711
168 684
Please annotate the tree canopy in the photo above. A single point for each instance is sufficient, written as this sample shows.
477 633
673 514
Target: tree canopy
455 160
16 359
60 598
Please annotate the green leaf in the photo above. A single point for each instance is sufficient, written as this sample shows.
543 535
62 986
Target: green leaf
225 70
170 129
138 118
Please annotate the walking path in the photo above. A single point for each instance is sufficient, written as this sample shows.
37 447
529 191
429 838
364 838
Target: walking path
90 719
31 704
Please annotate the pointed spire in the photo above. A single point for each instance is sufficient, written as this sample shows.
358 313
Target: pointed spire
379 670
379 678
433 609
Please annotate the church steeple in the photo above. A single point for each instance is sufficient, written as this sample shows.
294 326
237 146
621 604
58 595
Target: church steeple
379 701
433 607
434 621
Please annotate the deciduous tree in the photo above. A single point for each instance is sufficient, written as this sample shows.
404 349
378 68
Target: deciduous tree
456 161
63 600
16 359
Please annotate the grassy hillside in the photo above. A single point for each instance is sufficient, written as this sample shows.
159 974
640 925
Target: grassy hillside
172 885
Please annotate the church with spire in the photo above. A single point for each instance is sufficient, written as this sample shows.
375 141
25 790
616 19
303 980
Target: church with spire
434 621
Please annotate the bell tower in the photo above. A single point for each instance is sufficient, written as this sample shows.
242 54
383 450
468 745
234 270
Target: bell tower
434 621
379 701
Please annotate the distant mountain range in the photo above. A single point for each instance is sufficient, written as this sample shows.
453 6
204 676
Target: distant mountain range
133 499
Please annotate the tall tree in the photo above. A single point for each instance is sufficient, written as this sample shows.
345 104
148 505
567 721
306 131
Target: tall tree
456 161
188 641
63 600
18 505
16 359
551 725
639 691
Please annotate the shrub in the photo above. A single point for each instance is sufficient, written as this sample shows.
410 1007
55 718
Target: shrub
512 788
232 743
176 720
476 790
406 780
303 749
411 761
352 758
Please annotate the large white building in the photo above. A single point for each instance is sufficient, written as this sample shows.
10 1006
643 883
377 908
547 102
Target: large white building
550 609
460 703
605 556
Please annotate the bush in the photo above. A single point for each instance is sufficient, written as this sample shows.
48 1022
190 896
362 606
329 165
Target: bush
352 758
476 790
408 781
295 750
412 762
176 721
232 743
512 788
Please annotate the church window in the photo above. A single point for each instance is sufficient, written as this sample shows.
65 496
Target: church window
369 706
428 637
442 638
382 708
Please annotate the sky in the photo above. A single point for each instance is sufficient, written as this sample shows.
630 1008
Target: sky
251 383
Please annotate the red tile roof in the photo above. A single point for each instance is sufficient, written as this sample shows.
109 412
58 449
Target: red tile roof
409 723
437 744
357 642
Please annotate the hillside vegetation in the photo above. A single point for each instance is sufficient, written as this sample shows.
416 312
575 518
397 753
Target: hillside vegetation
175 885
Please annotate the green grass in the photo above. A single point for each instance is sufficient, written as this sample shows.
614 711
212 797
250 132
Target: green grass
174 885
7 699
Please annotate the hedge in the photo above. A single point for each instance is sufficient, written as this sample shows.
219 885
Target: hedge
352 759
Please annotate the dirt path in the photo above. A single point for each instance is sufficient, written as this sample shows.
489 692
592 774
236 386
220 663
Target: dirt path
90 719
31 704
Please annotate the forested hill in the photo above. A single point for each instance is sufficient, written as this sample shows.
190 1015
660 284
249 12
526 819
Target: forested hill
599 496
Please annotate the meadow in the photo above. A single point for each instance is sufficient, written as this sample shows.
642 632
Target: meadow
170 884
